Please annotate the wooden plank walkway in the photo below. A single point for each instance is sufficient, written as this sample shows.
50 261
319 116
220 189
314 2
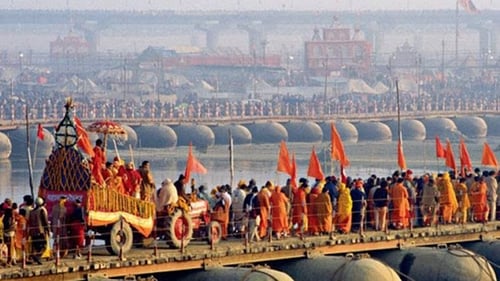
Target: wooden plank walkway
198 254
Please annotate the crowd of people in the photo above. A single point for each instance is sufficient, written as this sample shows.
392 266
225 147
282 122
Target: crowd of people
325 207
26 229
46 107
331 205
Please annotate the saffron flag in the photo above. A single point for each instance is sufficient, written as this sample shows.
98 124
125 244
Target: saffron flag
440 151
83 141
489 158
314 169
338 152
401 155
450 158
468 6
284 164
193 165
40 135
465 161
293 176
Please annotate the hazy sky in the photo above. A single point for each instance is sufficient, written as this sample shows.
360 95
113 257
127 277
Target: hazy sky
186 5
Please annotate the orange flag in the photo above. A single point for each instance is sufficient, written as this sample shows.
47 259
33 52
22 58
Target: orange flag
401 155
489 158
293 175
314 169
465 161
284 164
338 152
40 135
440 151
450 158
193 165
83 138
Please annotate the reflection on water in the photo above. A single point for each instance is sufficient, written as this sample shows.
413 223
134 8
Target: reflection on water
256 161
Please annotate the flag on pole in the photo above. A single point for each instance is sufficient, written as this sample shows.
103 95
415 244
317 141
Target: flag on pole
468 6
338 152
40 135
440 151
83 141
193 165
401 155
450 158
284 164
314 169
489 158
465 161
343 176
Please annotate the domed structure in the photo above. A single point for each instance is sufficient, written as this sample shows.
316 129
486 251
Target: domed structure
18 141
489 250
240 134
438 264
373 131
5 146
228 274
410 129
200 136
471 126
492 122
267 132
347 131
155 136
442 127
337 268
307 131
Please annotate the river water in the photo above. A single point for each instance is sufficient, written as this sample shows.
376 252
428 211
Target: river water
256 161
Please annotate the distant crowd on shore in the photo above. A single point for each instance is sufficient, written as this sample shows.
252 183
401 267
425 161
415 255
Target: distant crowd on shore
43 107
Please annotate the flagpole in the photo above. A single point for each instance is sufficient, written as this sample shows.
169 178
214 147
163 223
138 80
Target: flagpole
400 137
30 165
231 158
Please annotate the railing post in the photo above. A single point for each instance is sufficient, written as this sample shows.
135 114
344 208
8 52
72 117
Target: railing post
91 243
23 248
57 241
155 243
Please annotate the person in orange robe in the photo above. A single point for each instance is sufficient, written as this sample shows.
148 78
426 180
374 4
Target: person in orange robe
400 204
343 217
279 221
265 210
20 235
478 200
98 161
324 211
299 207
448 200
312 215
463 201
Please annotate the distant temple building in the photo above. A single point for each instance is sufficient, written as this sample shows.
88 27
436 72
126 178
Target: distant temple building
71 46
405 57
339 48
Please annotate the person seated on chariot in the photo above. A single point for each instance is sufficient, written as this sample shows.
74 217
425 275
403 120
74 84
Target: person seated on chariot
167 197
107 173
117 175
132 181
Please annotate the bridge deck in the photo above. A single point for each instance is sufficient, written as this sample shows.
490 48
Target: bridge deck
198 254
